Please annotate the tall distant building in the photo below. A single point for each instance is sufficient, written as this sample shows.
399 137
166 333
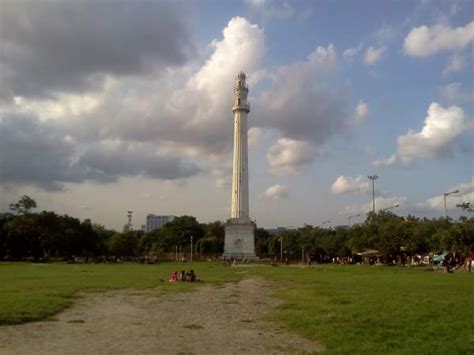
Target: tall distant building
155 221
240 229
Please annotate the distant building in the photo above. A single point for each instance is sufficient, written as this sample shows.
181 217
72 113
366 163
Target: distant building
154 221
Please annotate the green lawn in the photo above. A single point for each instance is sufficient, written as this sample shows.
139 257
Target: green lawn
364 309
35 291
350 309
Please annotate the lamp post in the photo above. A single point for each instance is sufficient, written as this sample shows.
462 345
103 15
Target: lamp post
350 217
391 207
373 178
281 248
445 208
191 248
326 222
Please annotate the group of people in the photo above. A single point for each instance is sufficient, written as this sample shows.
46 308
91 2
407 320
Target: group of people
183 276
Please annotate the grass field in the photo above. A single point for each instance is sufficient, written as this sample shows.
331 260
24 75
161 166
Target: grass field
350 309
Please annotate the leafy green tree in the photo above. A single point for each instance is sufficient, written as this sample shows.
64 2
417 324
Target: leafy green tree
124 244
178 233
262 237
207 245
24 205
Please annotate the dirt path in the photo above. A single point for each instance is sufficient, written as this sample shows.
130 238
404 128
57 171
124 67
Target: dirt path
224 319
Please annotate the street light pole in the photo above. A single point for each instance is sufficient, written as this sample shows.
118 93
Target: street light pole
445 208
373 178
391 207
353 216
191 248
326 222
281 248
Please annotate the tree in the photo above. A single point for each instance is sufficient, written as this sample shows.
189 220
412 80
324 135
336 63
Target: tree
124 244
466 206
179 232
24 205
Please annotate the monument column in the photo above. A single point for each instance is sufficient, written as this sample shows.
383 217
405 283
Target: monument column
240 229
240 176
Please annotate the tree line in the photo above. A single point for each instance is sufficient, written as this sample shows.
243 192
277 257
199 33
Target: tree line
42 236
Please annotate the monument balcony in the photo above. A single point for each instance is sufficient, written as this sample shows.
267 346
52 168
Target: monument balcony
241 107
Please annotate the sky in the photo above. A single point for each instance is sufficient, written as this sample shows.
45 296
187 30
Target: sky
107 107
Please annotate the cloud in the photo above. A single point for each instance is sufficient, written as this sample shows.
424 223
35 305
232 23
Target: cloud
384 34
304 109
424 41
68 46
361 111
222 183
35 153
373 55
350 53
254 137
381 203
456 64
436 203
453 93
440 131
39 153
289 157
394 160
276 192
277 10
62 106
193 120
357 185
305 113
109 162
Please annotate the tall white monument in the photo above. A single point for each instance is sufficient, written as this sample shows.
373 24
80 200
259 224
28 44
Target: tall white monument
240 229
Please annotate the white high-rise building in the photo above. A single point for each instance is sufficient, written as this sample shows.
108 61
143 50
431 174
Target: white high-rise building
240 229
156 221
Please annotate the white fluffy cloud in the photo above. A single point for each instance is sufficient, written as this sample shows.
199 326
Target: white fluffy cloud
289 157
424 41
373 55
306 113
361 111
357 185
350 53
181 112
441 128
276 192
465 194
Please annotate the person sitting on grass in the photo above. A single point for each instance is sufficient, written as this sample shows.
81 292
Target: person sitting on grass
182 276
190 276
173 276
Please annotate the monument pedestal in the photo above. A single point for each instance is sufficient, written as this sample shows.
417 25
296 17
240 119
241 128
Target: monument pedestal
239 239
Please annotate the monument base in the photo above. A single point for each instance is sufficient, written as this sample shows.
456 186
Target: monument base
239 239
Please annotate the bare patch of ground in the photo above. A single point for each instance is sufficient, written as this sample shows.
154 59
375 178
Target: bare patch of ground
224 319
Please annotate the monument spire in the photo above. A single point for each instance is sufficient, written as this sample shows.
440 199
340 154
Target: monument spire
240 230
240 176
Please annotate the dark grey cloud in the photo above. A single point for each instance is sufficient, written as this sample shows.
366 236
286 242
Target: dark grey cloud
34 152
309 115
31 152
49 46
298 103
108 164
